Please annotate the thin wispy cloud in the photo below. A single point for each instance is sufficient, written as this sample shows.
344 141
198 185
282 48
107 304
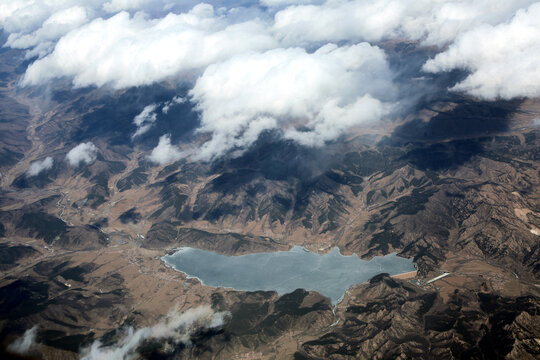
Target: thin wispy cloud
26 344
176 327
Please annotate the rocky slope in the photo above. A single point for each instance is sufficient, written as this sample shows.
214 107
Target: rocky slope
455 186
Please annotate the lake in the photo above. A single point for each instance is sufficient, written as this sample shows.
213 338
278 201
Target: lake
285 271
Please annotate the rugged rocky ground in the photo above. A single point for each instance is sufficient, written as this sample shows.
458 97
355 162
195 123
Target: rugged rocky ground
455 186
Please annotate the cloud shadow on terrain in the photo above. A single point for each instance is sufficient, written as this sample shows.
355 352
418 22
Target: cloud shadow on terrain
452 137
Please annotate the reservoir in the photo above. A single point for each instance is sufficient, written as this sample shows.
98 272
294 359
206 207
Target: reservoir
285 271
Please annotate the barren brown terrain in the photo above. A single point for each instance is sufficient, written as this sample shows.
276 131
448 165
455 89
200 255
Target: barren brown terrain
80 247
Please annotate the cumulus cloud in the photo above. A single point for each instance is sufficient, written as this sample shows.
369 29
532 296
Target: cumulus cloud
287 2
433 22
38 166
257 65
503 60
26 344
325 93
26 16
176 327
83 153
58 24
145 120
114 6
129 51
165 152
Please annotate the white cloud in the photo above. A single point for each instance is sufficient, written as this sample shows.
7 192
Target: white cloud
38 166
57 25
176 327
131 51
82 153
174 101
436 22
255 74
114 6
26 16
503 60
287 2
148 6
145 120
165 153
326 92
25 344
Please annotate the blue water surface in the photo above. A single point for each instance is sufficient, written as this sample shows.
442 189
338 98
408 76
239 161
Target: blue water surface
285 271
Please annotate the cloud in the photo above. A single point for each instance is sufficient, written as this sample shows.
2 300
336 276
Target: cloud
25 344
145 120
325 93
24 15
38 166
57 25
165 153
503 60
175 100
114 6
82 153
255 64
176 327
287 2
433 22
127 51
